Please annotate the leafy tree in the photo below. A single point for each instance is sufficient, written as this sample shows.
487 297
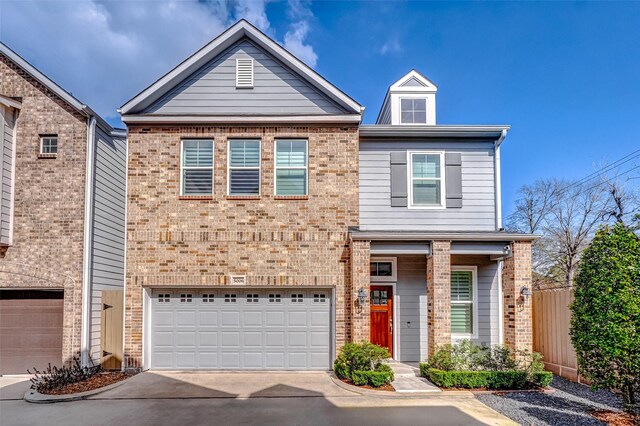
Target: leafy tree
605 323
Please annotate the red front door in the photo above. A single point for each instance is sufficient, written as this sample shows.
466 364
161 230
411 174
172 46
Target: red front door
381 303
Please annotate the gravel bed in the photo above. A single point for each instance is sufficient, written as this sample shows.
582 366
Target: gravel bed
570 404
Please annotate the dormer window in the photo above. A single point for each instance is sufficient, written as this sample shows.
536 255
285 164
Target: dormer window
413 111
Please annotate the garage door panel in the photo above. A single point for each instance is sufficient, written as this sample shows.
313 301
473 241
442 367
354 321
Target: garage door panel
274 339
319 319
186 360
163 359
208 339
297 360
185 318
252 359
208 318
319 339
252 339
230 360
163 318
274 319
230 318
186 339
208 359
275 360
252 318
297 319
230 338
297 339
163 339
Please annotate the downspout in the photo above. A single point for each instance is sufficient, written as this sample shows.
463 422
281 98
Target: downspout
498 184
85 341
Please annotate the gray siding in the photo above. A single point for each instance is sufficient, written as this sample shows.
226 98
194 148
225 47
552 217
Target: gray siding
488 312
212 89
385 115
478 189
7 125
411 289
108 239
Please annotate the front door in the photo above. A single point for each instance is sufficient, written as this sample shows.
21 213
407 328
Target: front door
382 316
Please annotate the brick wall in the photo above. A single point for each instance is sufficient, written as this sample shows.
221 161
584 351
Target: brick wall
49 199
274 242
361 279
439 295
516 273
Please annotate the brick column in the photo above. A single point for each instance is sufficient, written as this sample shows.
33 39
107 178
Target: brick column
360 278
439 295
516 273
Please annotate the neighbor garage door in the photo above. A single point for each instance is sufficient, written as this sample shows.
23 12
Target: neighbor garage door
30 330
241 329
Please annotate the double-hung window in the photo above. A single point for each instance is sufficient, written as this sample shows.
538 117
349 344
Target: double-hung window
197 167
426 186
291 167
413 111
244 167
463 301
49 144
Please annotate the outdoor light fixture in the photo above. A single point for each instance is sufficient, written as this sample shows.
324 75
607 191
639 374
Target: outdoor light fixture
525 292
362 296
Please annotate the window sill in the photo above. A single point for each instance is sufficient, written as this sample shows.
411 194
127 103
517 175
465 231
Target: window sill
291 197
47 155
195 197
242 197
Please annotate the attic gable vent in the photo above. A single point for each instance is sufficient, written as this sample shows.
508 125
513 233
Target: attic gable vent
244 73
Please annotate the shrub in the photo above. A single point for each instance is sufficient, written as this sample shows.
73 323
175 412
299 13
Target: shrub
424 369
56 378
363 363
605 322
542 378
509 379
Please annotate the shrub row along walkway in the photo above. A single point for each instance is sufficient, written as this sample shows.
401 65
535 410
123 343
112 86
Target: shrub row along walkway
569 404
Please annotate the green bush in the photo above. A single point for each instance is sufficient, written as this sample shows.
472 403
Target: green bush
605 321
508 379
542 378
424 369
363 363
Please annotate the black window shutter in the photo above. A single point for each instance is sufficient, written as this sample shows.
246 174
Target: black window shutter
398 178
453 179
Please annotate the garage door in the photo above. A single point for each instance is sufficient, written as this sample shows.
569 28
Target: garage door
241 329
30 330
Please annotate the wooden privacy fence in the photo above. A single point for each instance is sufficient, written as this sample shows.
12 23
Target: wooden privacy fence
551 321
111 330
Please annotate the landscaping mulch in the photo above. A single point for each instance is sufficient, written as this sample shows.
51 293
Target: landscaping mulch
569 404
100 380
386 387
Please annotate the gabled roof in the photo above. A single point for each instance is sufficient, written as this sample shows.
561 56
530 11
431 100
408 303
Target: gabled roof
51 85
236 32
411 82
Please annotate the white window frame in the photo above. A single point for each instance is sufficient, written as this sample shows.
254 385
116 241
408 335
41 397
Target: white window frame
244 168
42 138
213 167
443 195
394 269
275 167
413 97
474 302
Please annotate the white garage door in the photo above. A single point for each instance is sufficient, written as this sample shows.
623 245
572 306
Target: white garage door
241 329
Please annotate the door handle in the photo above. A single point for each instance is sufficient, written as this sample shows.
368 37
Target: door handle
391 326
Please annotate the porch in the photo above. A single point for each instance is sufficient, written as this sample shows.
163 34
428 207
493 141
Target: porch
415 293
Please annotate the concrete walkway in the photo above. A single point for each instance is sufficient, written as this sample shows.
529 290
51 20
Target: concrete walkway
153 398
408 380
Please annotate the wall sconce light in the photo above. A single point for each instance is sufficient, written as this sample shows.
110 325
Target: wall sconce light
362 296
525 292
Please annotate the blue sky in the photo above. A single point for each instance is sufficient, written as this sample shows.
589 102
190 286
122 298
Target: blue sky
565 76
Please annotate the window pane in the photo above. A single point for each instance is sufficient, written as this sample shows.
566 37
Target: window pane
243 181
406 117
426 192
49 145
419 105
462 318
461 286
291 182
291 153
197 153
373 269
420 117
197 182
244 153
425 165
406 105
385 269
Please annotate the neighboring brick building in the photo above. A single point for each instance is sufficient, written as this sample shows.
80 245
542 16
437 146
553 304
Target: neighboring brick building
45 263
267 227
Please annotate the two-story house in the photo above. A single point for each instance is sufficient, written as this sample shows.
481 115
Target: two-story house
62 217
266 226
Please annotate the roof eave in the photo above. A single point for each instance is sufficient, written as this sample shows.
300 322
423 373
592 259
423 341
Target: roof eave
450 131
244 119
497 236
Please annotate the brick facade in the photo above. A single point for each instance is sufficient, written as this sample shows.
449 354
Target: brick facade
302 241
439 295
360 279
48 233
516 274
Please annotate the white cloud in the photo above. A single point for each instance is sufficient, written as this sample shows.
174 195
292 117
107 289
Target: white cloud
106 51
391 46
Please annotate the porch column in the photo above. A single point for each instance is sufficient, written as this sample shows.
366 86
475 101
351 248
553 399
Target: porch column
516 274
360 279
439 295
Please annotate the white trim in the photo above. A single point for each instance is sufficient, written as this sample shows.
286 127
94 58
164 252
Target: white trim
213 164
16 117
500 304
259 140
146 327
498 183
394 269
45 136
233 34
443 195
413 97
85 341
474 302
126 216
11 103
253 119
429 86
275 166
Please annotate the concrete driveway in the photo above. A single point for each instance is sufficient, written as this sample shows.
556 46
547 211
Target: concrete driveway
242 398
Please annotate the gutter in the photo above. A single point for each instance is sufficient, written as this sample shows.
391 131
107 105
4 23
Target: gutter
87 251
498 179
450 131
221 119
446 236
